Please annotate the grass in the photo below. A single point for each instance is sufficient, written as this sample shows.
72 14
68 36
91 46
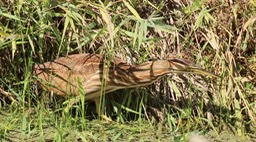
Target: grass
218 36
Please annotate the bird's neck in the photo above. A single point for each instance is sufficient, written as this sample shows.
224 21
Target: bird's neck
149 72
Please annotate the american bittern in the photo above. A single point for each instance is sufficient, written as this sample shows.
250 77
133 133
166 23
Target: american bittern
62 76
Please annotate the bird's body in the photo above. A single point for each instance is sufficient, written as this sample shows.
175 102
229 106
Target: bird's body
96 75
63 75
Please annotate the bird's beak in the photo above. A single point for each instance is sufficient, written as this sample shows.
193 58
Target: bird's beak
203 72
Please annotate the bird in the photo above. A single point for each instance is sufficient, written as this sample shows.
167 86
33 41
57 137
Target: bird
97 75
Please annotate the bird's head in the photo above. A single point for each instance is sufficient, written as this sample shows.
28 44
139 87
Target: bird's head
186 66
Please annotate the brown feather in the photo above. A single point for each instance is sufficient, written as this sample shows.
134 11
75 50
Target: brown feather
61 75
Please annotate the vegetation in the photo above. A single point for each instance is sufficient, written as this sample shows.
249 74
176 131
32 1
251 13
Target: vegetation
217 35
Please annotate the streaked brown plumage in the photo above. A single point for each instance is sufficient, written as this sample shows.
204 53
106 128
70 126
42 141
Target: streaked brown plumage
62 75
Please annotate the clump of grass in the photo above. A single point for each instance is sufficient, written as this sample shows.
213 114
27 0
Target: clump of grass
218 36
